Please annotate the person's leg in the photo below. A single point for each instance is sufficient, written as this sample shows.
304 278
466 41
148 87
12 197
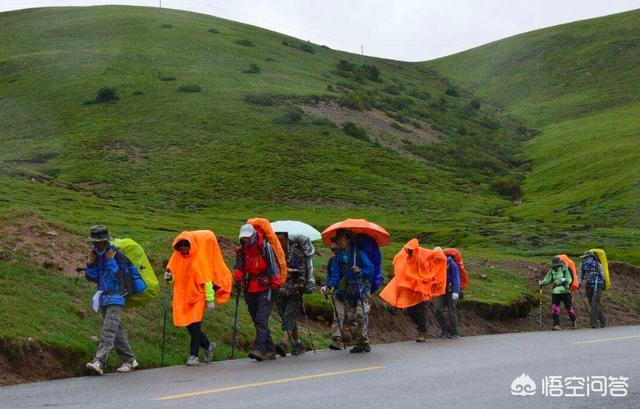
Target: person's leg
453 315
601 317
439 304
335 328
110 325
252 306
264 342
555 310
594 307
122 347
195 334
568 304
360 330
418 314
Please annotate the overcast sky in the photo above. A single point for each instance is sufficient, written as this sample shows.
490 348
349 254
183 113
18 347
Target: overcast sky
411 30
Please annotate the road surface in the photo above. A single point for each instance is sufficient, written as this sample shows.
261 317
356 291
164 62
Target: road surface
472 372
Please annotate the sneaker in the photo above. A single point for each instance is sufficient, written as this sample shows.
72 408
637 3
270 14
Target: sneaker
212 349
336 345
556 328
128 366
94 368
364 347
421 338
257 355
574 325
450 336
193 360
281 349
269 355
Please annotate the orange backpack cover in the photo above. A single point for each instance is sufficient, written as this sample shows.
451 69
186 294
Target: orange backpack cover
574 272
264 226
464 276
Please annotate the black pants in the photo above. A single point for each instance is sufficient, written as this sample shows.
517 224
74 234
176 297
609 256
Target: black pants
418 314
198 339
260 305
565 299
442 302
596 311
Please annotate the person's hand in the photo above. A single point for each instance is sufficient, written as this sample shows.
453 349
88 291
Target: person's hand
541 283
211 305
455 296
356 269
168 276
562 280
326 290
92 258
292 270
111 253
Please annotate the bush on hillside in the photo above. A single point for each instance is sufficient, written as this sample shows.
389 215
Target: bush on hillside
167 78
354 130
167 26
253 69
214 31
259 99
452 92
508 186
107 94
190 88
475 103
291 116
360 101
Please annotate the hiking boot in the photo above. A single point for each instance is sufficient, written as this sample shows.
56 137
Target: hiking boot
94 368
298 348
269 355
128 366
420 338
556 328
336 345
281 349
452 336
364 347
212 349
574 325
257 355
193 360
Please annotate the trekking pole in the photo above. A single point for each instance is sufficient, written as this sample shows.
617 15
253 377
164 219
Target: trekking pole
335 312
164 327
540 309
594 303
306 321
280 315
235 322
584 302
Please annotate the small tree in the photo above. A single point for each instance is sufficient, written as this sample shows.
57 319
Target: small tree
107 94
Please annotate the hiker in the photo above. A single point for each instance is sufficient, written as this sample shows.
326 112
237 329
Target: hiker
110 269
338 340
198 273
258 272
592 273
298 251
561 278
351 285
449 300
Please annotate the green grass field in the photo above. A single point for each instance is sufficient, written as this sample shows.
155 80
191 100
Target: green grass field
157 160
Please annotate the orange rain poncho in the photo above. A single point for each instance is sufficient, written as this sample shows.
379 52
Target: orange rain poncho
574 273
417 277
270 236
190 273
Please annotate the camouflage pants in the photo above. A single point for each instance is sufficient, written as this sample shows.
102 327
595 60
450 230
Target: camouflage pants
112 336
352 320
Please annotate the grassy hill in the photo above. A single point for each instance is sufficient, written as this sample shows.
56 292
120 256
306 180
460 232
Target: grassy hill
157 121
578 85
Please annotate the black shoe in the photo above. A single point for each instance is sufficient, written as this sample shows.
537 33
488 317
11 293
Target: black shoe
257 355
364 347
336 345
281 349
298 348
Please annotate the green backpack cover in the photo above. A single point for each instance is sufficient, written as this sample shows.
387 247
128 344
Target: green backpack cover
135 253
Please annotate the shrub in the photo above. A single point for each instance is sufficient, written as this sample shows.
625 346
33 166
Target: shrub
396 103
354 130
107 94
245 43
190 88
370 72
214 31
259 99
324 122
292 115
344 65
360 101
452 92
475 103
167 78
507 186
307 48
399 127
392 89
329 87
167 26
270 59
253 69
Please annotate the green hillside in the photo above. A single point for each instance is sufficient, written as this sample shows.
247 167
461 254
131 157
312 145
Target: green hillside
156 121
578 85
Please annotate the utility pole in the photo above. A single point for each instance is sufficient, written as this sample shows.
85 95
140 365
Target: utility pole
160 3
361 54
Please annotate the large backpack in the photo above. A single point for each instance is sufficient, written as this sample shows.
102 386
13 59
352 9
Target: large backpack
264 226
144 281
464 275
602 258
370 247
575 284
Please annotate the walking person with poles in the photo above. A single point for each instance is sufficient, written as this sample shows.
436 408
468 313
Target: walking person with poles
593 276
561 278
200 279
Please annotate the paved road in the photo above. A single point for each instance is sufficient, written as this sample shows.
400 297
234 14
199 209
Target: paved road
472 372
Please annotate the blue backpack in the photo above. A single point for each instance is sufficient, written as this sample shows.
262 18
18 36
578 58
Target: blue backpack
372 250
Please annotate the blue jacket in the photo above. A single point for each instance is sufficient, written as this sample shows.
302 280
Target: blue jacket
110 276
341 277
590 269
453 275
